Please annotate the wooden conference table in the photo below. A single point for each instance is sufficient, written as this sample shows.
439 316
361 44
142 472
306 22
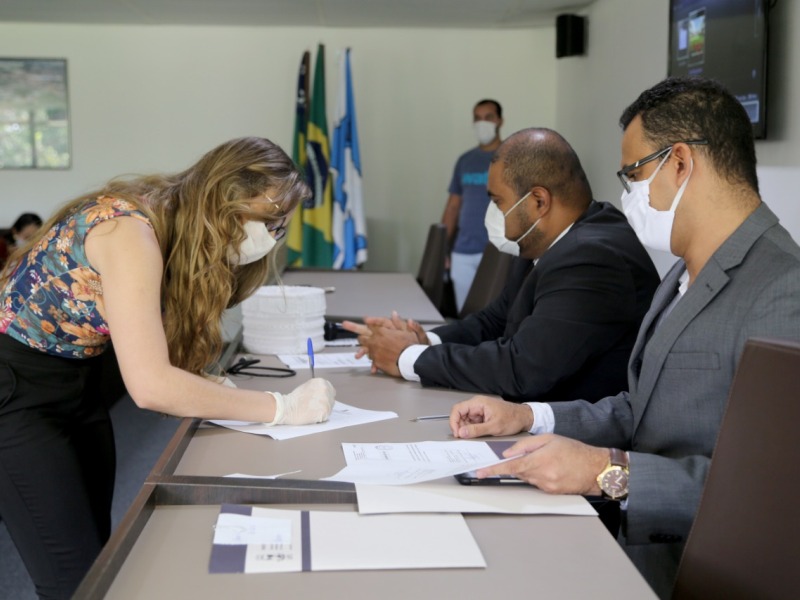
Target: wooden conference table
162 547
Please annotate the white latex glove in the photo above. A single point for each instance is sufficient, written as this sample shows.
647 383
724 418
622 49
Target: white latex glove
310 402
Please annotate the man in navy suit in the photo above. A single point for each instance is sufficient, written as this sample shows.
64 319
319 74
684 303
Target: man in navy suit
566 321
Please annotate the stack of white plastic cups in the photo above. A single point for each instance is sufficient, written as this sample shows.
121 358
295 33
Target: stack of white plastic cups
281 319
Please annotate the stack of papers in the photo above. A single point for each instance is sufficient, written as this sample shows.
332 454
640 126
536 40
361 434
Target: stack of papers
380 472
261 540
424 529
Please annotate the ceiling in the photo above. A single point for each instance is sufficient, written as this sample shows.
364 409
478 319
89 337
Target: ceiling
485 14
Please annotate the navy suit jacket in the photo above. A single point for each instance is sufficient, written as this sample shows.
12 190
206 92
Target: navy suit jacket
561 329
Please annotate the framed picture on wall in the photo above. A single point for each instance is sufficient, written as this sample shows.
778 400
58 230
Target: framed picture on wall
34 114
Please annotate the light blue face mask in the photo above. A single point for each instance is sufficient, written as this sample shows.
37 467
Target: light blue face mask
495 222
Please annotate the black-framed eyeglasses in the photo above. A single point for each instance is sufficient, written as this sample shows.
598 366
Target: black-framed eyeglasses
622 174
246 366
278 230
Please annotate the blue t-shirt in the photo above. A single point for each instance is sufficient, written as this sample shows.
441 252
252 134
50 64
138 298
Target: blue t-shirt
470 176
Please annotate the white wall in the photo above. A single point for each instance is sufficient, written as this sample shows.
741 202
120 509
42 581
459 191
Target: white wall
627 49
146 99
155 98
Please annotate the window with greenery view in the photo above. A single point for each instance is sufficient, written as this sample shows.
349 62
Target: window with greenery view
34 115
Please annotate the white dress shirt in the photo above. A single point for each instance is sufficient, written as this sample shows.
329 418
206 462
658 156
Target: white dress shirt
409 356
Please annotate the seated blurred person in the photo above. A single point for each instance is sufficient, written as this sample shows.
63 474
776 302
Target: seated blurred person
26 225
566 321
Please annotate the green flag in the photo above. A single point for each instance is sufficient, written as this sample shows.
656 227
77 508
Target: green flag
316 249
294 239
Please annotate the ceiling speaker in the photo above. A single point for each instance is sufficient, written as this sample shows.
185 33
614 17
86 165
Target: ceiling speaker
570 35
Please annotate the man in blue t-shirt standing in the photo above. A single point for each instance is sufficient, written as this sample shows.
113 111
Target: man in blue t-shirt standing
466 206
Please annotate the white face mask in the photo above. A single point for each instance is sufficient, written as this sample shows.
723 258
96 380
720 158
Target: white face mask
495 222
653 227
485 131
256 245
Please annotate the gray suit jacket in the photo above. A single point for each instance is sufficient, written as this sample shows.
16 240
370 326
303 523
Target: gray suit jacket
681 370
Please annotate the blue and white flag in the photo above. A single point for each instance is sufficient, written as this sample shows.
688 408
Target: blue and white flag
349 224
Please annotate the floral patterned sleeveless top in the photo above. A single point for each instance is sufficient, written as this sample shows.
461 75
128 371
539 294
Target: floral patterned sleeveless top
54 299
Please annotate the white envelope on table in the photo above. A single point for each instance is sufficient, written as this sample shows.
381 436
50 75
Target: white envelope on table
448 496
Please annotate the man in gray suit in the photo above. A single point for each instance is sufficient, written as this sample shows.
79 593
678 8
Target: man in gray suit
690 187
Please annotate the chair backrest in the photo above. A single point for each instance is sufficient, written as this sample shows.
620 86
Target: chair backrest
489 280
744 541
431 268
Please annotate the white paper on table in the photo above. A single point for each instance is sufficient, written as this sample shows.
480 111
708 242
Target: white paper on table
342 415
449 496
232 529
332 360
403 463
257 551
348 541
331 541
248 476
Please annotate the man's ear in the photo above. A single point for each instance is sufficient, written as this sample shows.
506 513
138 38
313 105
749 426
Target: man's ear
682 160
543 199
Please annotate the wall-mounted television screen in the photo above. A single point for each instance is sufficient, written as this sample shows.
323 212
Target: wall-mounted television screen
725 40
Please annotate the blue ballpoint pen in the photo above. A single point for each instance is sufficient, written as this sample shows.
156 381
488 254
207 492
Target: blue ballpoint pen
311 357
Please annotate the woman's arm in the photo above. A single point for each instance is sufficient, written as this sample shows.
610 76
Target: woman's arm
126 253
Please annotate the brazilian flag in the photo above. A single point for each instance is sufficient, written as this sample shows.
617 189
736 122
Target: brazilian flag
310 234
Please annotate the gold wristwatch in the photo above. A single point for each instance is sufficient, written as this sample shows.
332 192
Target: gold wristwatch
613 480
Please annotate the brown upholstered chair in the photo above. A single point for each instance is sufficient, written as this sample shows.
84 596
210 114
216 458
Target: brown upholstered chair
746 537
431 269
489 280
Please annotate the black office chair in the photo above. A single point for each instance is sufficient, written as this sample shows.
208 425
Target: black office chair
744 540
431 269
489 280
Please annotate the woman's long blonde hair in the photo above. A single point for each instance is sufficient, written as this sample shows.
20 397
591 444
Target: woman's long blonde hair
198 216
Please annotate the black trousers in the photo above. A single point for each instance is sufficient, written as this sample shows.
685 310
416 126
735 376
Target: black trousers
57 464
